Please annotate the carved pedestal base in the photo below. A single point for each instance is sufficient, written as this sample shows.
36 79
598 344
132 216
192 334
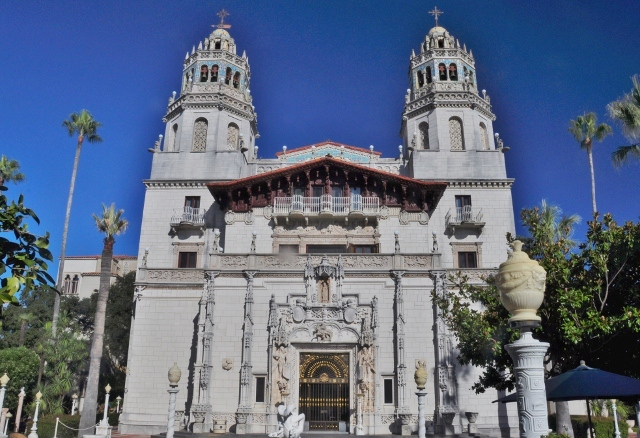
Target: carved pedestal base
241 422
447 428
472 427
528 354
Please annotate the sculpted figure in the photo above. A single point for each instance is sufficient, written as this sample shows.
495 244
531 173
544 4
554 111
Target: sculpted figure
290 423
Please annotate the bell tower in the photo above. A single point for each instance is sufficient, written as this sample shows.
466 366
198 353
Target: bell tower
211 126
447 126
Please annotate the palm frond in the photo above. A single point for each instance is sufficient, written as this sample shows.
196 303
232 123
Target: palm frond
83 124
626 110
111 222
623 154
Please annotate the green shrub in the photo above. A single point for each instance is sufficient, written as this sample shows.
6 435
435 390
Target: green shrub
47 426
603 427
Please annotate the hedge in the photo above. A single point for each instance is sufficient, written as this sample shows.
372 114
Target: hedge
47 426
603 426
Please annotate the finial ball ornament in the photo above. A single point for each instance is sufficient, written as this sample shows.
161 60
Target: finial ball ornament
4 379
38 396
107 388
174 374
521 283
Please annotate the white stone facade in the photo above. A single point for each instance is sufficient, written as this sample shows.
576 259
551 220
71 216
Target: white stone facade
81 274
257 268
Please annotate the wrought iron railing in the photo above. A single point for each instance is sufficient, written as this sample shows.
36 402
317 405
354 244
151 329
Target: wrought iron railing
188 216
337 205
466 214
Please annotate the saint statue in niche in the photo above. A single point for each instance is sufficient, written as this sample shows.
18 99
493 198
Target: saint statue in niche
324 290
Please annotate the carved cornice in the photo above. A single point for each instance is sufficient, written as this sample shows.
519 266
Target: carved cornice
208 55
173 184
448 99
218 100
483 184
432 54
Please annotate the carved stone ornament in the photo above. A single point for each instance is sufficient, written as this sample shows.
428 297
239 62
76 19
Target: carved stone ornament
298 314
384 212
322 333
403 218
267 212
521 283
420 375
423 218
229 217
227 363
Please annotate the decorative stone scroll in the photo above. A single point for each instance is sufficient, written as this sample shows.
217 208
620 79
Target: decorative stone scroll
177 275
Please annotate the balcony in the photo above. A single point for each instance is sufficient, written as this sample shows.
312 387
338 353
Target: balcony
187 217
464 217
326 205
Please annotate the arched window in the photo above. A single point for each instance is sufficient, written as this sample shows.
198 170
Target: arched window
67 285
174 136
227 77
453 72
233 134
204 73
217 45
200 135
424 135
429 78
214 73
456 135
484 137
420 79
236 80
441 43
442 71
74 285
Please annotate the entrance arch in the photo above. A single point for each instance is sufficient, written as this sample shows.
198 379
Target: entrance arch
324 390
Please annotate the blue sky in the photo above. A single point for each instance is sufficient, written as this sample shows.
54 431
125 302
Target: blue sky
320 70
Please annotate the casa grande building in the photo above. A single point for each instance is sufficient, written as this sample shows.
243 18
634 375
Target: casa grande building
307 278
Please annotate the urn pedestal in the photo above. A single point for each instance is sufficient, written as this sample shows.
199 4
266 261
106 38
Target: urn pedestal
472 427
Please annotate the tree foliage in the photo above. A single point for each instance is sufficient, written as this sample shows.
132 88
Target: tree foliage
23 255
10 171
21 365
590 312
626 111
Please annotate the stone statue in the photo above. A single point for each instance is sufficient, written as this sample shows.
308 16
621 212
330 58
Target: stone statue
282 366
206 43
322 333
290 423
365 364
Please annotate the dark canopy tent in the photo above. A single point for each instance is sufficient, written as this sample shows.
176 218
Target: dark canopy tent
586 383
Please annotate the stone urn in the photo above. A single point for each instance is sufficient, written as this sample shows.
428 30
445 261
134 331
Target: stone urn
420 376
174 375
448 418
471 416
521 283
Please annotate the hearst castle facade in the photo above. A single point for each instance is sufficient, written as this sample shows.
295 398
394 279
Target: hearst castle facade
306 278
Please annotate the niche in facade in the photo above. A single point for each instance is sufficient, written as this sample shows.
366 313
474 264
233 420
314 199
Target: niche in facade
442 71
453 72
200 135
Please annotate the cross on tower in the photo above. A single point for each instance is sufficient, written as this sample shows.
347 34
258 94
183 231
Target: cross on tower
436 12
223 14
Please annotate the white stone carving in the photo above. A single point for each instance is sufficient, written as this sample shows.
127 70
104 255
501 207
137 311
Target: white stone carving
322 333
290 423
227 363
199 136
455 134
229 217
232 137
178 275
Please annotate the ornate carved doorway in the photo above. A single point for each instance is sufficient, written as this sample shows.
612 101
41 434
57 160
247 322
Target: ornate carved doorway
324 390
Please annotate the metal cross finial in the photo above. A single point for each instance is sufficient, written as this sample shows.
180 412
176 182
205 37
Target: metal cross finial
436 12
223 14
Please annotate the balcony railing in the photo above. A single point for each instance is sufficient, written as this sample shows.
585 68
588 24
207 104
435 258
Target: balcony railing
188 216
465 216
326 204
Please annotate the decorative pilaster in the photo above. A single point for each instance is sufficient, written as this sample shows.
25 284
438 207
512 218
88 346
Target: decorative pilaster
402 410
445 378
244 409
272 327
201 406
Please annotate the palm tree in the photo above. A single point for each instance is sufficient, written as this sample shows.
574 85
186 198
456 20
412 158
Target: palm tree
86 128
10 171
626 111
585 129
111 223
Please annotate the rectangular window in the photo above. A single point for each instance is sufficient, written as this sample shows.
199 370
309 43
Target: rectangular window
326 249
288 249
298 191
467 260
192 201
388 391
316 192
337 191
364 249
187 259
260 384
463 208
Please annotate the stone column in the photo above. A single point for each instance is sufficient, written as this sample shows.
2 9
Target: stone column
3 419
422 427
402 410
19 411
445 371
272 327
202 417
244 408
34 428
521 283
359 428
